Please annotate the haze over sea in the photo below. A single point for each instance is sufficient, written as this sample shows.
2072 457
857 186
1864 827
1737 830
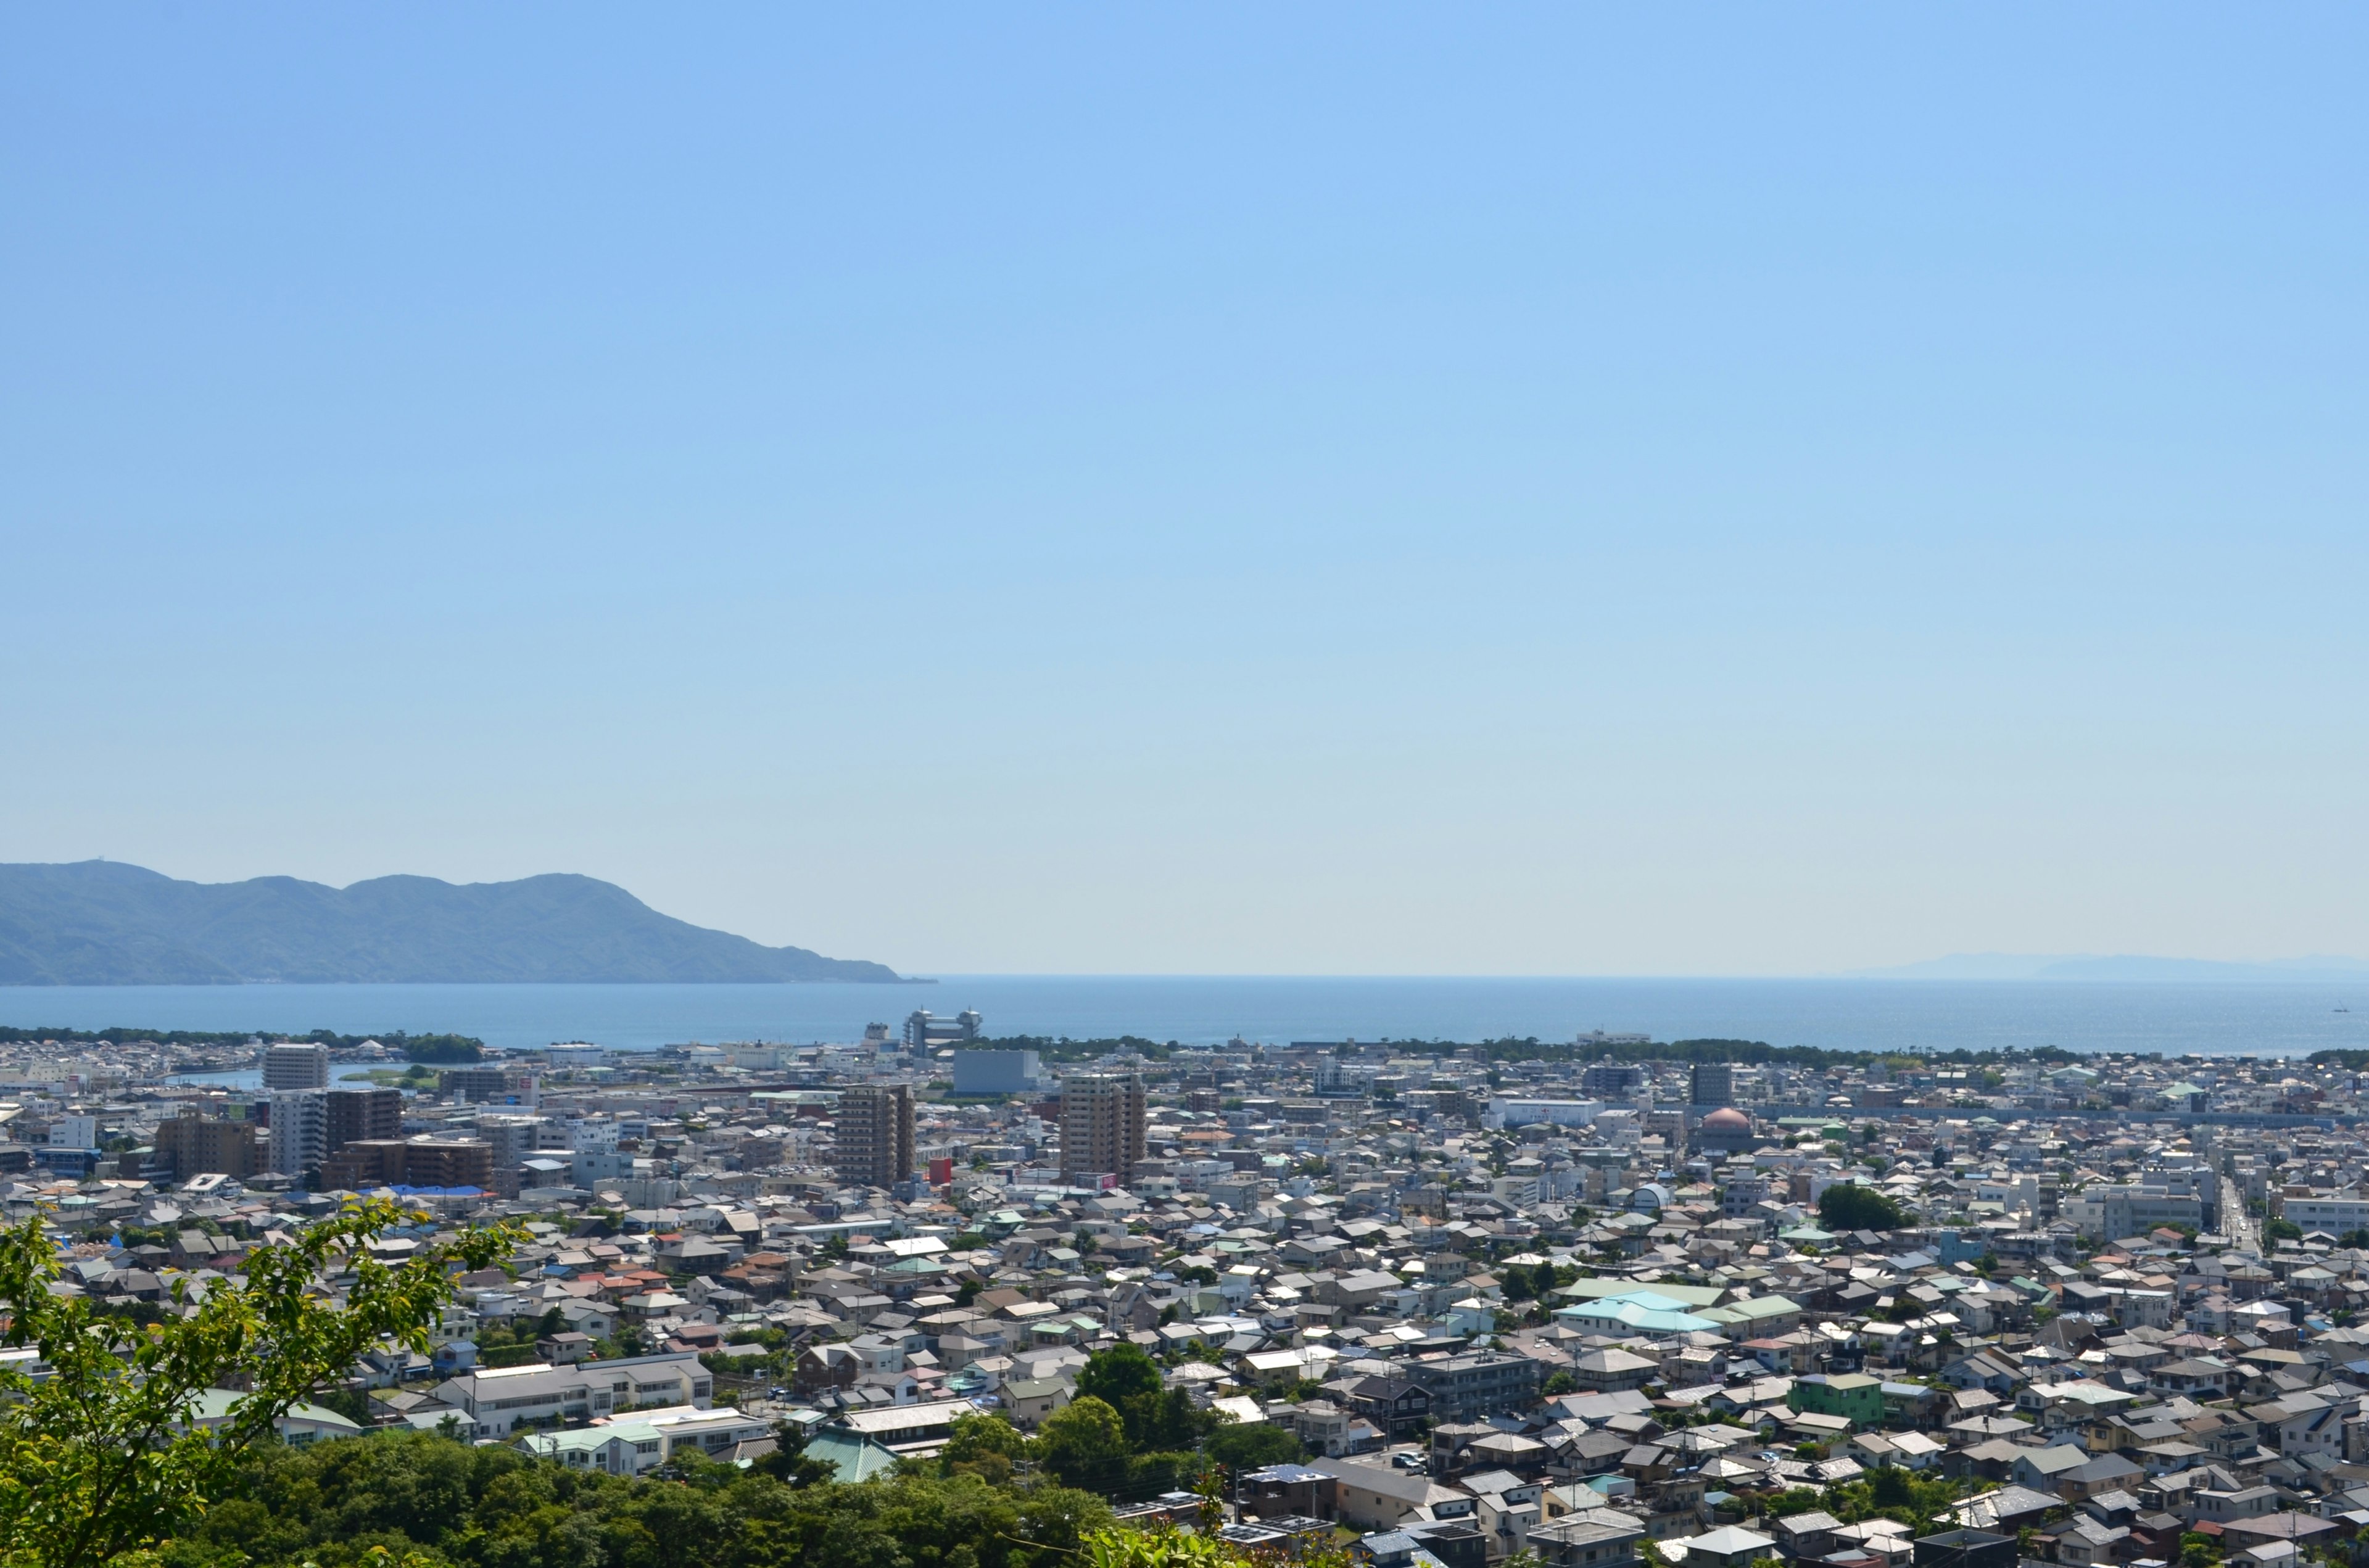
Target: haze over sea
1841 1015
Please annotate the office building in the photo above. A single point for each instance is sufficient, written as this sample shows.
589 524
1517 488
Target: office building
356 1113
997 1072
1715 1084
872 1140
296 1067
1102 1125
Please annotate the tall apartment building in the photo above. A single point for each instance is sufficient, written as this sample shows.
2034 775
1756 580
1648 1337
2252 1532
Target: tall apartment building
195 1145
356 1114
300 1130
296 1067
873 1142
1102 1125
1715 1084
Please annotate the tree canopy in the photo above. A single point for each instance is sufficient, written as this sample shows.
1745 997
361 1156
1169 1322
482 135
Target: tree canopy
1847 1206
105 1455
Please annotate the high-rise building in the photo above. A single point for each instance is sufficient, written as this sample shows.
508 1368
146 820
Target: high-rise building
1102 1125
873 1140
355 1114
296 1067
300 1130
1714 1083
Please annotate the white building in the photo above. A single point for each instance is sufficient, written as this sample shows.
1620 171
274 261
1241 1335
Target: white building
1503 1112
74 1132
300 1130
296 1067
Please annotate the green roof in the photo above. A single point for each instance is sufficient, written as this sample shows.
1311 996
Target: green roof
855 1456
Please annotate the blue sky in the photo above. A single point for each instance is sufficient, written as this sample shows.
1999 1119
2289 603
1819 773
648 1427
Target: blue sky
1343 490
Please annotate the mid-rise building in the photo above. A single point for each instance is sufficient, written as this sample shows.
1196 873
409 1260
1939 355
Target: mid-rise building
356 1113
1102 1125
997 1072
924 1030
413 1162
872 1145
195 1145
1612 1081
491 1086
296 1067
1715 1084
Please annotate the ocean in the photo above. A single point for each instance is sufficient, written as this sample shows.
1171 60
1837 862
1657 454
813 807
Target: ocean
2215 1018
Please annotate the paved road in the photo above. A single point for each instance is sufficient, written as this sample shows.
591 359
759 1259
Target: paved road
2236 1223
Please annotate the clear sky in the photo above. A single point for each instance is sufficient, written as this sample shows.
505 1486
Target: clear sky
1313 488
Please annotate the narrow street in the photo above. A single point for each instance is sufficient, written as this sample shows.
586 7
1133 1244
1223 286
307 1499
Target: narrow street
2236 1223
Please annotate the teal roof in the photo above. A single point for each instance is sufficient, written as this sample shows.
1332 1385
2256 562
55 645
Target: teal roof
853 1456
1639 1309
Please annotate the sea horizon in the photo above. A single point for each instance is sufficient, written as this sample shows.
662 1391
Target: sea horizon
1908 1015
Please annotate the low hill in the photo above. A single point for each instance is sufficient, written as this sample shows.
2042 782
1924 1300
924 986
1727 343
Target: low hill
99 922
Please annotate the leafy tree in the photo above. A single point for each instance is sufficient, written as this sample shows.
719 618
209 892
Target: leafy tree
1154 1416
2281 1230
1084 1443
1253 1445
1847 1206
1560 1381
103 1457
337 1504
1796 1500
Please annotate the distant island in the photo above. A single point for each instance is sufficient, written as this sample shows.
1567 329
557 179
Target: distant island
104 924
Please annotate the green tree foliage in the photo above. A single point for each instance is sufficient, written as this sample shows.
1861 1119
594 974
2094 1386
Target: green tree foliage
1084 1443
1154 1417
1558 1382
2281 1230
1796 1500
495 1507
1252 1446
1847 1206
100 1460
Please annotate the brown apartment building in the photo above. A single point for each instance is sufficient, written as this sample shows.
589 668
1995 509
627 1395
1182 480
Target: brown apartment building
1102 1125
871 1143
413 1162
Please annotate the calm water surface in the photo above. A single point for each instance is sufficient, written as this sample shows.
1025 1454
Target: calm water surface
2175 1019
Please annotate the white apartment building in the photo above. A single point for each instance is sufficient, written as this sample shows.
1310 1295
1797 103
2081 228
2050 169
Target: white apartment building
296 1067
498 1401
300 1130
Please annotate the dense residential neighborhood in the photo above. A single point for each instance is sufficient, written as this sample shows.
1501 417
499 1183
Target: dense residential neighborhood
1571 1302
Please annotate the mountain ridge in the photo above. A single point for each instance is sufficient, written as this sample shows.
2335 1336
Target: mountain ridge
107 922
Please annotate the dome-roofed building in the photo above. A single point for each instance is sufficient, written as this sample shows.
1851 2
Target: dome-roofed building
1725 1131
